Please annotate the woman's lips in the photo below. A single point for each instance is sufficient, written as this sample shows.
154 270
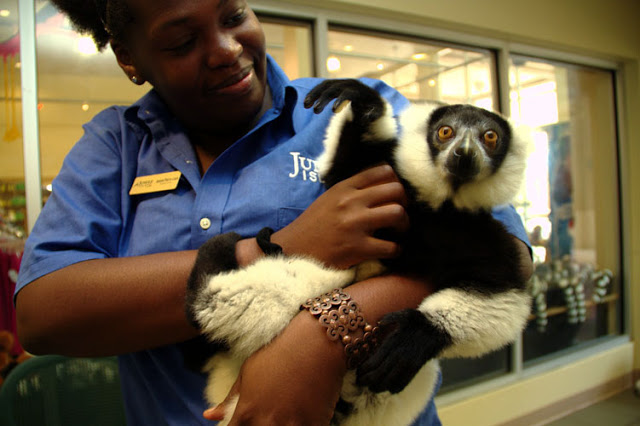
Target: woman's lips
236 85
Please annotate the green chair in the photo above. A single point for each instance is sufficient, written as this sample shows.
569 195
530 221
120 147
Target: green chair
53 390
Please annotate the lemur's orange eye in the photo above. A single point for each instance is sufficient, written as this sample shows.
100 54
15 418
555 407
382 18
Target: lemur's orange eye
445 133
490 139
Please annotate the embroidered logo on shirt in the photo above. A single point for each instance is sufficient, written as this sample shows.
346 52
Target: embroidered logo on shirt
304 168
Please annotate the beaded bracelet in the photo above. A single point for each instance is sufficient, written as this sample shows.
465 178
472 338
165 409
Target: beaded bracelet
342 316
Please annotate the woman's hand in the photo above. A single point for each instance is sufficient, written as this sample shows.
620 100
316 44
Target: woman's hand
338 227
294 380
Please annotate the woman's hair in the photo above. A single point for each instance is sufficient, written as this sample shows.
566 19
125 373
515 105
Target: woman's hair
101 19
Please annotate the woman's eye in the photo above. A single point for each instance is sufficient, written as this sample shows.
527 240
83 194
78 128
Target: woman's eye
182 47
445 133
237 18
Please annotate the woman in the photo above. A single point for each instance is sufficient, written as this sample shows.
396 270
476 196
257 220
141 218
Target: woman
105 269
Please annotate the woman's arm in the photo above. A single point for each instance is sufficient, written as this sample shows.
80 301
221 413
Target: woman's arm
296 379
111 306
107 306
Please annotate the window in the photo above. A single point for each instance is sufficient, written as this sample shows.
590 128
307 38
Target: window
75 82
574 163
12 194
570 202
289 43
419 70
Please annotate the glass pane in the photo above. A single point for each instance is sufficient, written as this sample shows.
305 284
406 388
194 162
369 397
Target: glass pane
570 203
289 43
75 82
425 71
12 196
419 70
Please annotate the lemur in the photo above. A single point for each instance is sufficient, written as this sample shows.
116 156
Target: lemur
456 162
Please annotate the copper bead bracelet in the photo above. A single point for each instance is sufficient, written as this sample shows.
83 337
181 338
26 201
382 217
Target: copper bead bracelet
342 317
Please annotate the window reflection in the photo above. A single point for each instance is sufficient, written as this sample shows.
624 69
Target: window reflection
569 203
420 71
289 43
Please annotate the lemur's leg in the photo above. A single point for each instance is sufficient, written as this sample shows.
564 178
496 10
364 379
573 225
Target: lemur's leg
248 307
450 323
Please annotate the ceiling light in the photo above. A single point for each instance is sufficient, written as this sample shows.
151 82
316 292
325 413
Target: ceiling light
4 13
85 106
333 64
419 56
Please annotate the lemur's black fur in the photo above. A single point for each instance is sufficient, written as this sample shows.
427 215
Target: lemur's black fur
448 246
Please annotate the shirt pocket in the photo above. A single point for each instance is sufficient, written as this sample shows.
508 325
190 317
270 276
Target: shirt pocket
286 215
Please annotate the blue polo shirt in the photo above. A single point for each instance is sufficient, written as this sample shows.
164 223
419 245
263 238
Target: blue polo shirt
267 178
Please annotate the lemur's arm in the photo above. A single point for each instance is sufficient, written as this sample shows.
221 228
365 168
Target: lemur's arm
361 134
450 323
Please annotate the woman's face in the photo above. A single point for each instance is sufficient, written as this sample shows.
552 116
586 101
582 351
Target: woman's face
206 58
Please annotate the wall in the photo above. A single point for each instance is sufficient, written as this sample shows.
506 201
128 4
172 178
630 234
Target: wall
604 29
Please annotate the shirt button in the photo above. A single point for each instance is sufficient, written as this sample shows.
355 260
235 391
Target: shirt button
205 223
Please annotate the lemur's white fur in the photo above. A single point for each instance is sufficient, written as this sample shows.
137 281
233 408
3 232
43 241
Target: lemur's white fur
495 321
247 308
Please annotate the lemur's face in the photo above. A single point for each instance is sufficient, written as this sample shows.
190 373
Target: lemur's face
467 143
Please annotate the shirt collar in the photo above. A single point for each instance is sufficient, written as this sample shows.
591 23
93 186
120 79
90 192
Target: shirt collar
284 93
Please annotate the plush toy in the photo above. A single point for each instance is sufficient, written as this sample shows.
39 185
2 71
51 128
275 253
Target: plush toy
456 162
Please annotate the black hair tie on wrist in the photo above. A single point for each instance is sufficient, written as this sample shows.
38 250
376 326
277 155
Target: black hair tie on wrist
264 241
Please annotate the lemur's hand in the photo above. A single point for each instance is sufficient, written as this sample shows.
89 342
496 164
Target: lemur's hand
366 103
411 343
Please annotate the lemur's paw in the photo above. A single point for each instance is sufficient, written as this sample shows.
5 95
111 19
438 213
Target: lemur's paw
217 255
247 308
411 341
366 103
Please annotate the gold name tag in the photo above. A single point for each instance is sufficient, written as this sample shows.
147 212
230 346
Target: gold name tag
155 183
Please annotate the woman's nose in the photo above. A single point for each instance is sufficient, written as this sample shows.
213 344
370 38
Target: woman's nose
224 50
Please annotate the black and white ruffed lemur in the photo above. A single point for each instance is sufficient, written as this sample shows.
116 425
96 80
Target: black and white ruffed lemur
456 162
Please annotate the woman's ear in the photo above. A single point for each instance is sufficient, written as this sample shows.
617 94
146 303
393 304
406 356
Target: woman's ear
123 56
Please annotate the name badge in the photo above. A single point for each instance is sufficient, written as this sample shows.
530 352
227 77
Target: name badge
155 183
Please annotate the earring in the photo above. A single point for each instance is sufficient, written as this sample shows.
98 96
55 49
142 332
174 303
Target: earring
134 79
